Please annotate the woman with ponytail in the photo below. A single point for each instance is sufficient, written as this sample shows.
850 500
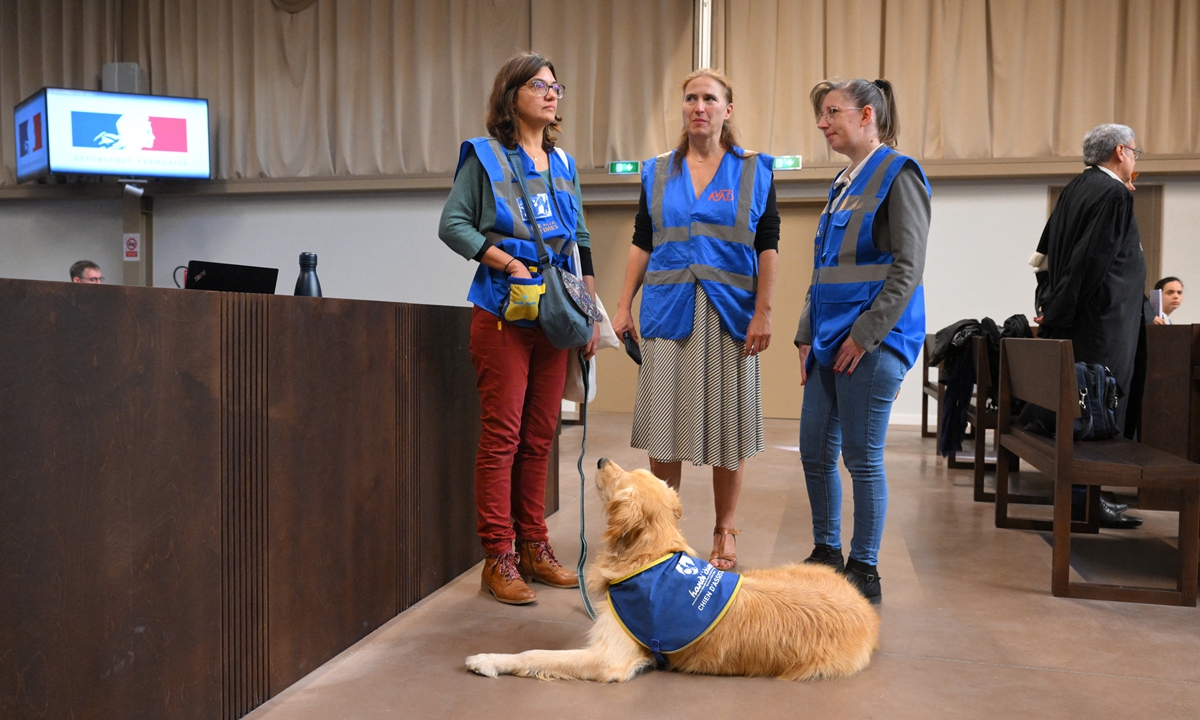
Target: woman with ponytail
863 322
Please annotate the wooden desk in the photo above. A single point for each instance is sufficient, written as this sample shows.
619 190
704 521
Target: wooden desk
205 496
1171 405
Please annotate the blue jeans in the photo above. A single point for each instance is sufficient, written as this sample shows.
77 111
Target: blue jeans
848 414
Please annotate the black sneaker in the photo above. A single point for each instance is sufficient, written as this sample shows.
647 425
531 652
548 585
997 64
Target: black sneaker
865 578
825 555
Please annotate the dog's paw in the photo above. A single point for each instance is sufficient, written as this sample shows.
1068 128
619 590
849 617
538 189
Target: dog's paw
483 665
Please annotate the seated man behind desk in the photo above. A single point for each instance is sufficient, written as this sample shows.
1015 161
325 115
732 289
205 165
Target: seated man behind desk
86 271
1091 292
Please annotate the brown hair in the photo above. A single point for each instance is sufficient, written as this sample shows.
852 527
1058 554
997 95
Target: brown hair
78 268
728 132
502 103
880 95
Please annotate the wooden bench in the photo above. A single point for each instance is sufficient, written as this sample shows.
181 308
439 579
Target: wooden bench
1042 372
930 389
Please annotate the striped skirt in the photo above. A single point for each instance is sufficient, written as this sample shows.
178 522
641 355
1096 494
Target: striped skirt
698 399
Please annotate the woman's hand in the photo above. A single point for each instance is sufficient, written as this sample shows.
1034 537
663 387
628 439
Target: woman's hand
848 356
589 350
804 350
622 323
517 269
758 335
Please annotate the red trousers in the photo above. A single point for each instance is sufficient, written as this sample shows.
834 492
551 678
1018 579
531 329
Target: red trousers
520 380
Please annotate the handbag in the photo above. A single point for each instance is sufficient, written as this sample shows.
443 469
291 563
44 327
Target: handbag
566 311
575 388
1099 398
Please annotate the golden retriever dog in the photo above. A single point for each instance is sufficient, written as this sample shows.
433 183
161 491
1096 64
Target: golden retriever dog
797 622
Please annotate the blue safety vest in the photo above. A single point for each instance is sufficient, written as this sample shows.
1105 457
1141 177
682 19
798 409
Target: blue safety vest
849 270
672 602
556 212
707 240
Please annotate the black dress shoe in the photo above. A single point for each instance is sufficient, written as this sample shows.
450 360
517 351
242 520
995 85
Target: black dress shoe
865 578
825 555
1113 505
1110 518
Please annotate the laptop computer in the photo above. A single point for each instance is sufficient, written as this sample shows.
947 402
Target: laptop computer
202 275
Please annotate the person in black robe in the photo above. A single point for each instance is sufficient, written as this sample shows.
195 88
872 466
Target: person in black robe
1093 285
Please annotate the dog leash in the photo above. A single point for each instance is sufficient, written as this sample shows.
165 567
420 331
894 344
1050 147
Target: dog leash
587 601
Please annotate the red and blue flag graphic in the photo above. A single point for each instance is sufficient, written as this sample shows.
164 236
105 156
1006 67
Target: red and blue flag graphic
31 135
128 131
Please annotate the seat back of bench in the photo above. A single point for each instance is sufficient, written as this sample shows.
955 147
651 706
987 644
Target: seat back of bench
1041 372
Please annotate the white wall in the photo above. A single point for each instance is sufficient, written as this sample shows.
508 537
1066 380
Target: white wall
980 238
385 246
39 240
369 247
1181 244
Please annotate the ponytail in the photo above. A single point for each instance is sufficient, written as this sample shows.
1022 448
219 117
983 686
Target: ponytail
879 95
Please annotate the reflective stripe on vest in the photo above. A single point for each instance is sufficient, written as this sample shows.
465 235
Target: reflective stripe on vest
705 258
849 271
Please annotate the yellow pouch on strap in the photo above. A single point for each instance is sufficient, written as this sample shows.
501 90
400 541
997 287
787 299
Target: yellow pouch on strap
524 294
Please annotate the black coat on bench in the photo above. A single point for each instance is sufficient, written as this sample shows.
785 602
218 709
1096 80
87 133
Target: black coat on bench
1095 282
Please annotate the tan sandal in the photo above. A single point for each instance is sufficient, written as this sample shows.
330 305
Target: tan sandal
731 558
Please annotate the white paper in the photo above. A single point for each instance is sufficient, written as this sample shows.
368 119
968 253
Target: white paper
1156 303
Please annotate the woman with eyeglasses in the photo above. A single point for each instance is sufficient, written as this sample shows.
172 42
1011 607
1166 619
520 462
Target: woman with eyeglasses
520 373
863 322
704 251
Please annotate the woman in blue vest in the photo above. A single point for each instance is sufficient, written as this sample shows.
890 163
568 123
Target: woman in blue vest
864 318
520 373
704 251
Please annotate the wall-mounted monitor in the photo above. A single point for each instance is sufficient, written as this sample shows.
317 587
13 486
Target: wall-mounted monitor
102 133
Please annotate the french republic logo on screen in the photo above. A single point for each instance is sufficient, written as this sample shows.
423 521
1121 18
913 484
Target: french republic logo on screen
30 134
128 132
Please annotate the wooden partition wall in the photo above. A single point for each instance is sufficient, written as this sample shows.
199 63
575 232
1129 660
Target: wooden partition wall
205 496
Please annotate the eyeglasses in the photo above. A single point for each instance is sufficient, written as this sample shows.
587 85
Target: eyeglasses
541 87
831 112
1137 152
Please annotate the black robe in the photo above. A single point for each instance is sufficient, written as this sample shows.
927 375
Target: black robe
1096 275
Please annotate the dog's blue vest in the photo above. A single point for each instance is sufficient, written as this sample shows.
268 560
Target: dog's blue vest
672 602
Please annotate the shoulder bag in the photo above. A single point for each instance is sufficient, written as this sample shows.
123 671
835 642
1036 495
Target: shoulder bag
566 311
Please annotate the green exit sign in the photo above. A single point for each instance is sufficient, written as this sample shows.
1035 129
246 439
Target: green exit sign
624 167
787 162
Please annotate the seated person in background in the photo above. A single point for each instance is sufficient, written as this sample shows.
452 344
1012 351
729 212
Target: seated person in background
1172 297
86 271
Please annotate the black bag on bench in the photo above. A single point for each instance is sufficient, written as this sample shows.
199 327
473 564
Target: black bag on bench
1099 398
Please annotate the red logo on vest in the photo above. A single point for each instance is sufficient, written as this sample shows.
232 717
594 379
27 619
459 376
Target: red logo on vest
725 195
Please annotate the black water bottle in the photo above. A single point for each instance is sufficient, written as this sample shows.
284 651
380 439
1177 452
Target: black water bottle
308 284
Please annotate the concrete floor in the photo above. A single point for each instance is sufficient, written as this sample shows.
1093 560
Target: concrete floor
969 628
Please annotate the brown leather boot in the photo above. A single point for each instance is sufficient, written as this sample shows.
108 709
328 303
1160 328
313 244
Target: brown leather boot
501 579
539 564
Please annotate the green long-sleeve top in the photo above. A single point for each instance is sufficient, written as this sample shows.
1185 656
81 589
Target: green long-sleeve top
470 212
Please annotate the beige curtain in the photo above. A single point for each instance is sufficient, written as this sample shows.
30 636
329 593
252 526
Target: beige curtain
622 62
361 87
975 79
391 87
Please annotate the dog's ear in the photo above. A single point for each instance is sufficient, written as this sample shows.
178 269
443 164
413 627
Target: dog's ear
626 518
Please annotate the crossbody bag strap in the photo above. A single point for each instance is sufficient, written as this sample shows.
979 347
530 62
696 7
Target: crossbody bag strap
514 161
